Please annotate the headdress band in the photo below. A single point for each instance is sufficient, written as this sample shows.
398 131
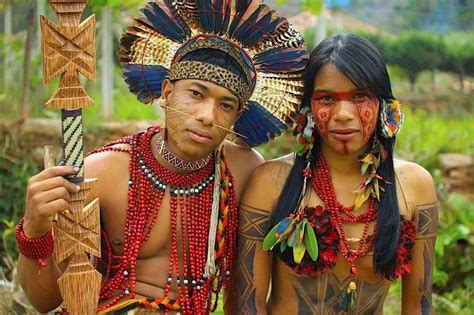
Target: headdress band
209 72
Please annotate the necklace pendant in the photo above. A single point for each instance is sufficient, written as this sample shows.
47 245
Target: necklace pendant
350 296
353 271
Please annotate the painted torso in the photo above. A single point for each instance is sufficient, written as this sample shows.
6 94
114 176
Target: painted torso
293 292
322 292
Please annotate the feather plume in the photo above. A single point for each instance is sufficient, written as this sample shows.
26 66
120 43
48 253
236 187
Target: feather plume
162 16
259 125
281 60
145 81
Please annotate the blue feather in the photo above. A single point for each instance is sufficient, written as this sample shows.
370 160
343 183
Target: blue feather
217 10
262 29
166 20
281 60
249 22
254 31
256 131
283 225
145 80
225 22
257 25
241 126
236 19
258 125
205 15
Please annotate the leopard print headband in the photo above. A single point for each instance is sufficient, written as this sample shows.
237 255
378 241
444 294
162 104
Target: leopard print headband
212 73
188 69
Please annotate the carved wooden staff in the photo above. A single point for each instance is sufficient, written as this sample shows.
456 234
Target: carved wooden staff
69 48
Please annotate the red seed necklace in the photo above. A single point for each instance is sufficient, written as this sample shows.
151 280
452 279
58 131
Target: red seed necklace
324 188
191 199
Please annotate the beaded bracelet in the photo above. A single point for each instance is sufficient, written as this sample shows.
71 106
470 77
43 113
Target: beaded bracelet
37 249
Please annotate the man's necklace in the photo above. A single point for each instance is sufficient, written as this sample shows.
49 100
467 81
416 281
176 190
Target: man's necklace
175 160
192 202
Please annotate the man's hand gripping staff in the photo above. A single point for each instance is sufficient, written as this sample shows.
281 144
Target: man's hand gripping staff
56 196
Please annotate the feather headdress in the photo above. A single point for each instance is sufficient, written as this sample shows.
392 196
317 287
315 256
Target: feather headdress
269 50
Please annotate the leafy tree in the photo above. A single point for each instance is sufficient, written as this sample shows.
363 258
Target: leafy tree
415 52
313 6
108 14
459 55
115 5
435 15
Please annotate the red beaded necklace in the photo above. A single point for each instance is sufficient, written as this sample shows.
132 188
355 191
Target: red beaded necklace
324 188
191 199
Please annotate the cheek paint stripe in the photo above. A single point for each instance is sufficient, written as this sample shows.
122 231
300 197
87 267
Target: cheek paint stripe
192 116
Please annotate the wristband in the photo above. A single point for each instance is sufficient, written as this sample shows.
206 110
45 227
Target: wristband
36 249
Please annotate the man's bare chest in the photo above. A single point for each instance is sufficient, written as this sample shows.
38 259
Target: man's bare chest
115 221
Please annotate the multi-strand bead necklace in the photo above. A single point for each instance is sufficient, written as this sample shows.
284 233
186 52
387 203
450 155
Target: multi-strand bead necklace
324 188
191 200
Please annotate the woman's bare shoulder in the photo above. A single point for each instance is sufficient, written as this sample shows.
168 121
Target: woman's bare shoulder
416 183
266 183
275 170
242 157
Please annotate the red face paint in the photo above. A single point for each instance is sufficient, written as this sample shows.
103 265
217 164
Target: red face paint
322 104
330 98
322 115
368 118
345 148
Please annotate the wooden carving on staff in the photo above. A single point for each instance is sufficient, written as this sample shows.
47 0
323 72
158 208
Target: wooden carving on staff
69 49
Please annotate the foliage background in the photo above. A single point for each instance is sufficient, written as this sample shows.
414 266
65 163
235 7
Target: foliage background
428 45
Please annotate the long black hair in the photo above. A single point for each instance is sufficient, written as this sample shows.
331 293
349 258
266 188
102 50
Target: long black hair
362 63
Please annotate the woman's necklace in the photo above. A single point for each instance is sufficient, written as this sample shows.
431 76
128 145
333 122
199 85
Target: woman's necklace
324 188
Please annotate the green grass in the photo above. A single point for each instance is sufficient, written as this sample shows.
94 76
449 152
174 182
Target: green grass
425 135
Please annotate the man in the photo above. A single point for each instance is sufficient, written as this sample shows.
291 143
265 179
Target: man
168 196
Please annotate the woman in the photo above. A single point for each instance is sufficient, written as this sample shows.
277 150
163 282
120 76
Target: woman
332 226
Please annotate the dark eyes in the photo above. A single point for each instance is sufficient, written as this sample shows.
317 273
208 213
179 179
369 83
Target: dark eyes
331 100
360 97
196 93
325 100
227 107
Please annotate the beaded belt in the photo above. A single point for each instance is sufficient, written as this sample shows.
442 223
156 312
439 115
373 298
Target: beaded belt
136 307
